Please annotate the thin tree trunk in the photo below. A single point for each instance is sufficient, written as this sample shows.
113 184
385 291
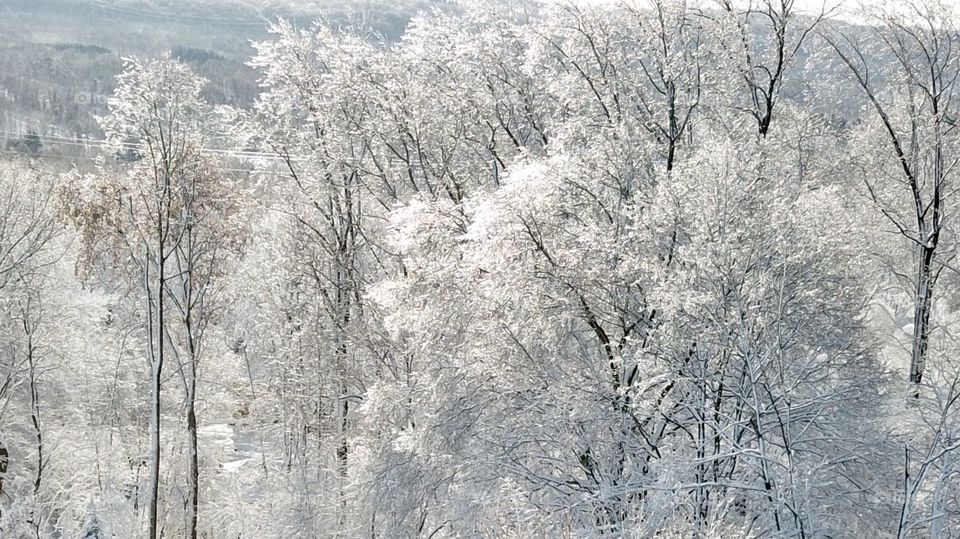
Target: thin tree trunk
921 316
156 370
193 507
37 516
35 413
154 488
194 503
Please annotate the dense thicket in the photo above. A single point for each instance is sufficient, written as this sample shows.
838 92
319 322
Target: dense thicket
626 270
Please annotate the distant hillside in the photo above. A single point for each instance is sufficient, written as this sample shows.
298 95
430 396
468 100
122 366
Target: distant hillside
225 25
59 57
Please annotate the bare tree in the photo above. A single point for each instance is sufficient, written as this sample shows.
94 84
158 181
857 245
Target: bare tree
931 470
27 226
765 38
919 126
149 217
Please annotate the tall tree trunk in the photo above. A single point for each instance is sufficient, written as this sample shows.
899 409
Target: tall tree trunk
154 488
194 504
37 516
192 317
156 370
194 477
35 411
921 315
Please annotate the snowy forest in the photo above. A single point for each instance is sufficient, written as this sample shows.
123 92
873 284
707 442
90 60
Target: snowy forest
641 268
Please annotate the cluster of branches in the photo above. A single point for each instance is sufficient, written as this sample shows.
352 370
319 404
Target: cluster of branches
606 271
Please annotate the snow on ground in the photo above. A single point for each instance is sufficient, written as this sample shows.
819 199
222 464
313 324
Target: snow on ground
228 445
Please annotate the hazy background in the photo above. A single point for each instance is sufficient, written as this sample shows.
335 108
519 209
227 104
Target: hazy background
58 58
